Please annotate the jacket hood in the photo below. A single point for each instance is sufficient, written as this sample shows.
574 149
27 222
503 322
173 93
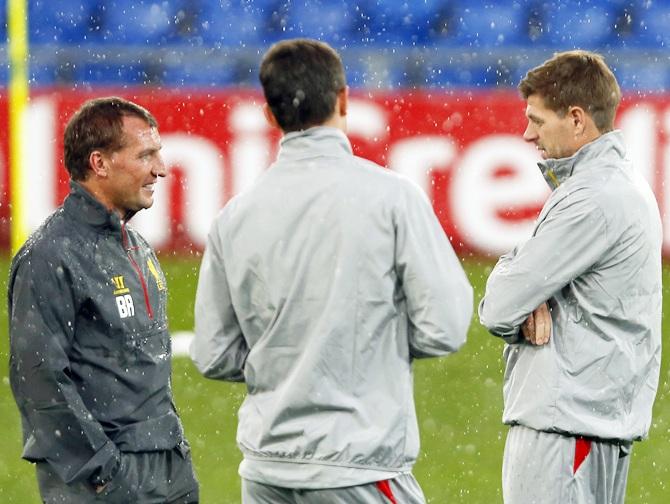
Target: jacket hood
556 171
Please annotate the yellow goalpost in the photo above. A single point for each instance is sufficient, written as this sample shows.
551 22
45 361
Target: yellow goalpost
18 92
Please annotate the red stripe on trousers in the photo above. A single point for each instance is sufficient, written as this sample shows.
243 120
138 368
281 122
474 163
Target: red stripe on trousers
385 488
582 450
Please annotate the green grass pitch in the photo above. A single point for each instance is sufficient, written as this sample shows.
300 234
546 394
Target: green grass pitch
458 401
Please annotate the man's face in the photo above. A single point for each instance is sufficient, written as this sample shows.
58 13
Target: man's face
134 170
553 135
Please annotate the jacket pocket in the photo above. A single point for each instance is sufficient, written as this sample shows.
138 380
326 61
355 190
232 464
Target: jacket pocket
124 487
150 345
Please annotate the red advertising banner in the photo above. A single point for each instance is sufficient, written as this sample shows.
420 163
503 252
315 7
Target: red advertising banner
463 148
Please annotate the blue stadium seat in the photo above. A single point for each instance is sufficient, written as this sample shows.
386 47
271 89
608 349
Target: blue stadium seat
329 20
588 25
64 22
652 24
3 20
233 22
494 24
625 17
400 22
141 22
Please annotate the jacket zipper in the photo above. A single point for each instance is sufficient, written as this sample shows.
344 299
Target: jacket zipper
143 282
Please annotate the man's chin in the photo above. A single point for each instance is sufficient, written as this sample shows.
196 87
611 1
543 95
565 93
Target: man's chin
142 205
146 202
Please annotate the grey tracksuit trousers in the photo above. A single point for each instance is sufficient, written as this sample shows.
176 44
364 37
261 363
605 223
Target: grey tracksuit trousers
549 468
403 489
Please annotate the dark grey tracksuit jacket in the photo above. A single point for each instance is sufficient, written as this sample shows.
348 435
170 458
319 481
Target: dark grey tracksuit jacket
90 358
595 256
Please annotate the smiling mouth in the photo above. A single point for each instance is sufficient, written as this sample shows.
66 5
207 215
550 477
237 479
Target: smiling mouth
149 187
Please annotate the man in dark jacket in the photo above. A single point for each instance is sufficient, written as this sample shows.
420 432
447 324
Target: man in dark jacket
90 355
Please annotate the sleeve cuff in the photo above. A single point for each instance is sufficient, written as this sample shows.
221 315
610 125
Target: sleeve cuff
107 472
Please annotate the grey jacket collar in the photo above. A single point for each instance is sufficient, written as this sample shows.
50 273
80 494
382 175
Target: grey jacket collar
84 207
556 171
319 140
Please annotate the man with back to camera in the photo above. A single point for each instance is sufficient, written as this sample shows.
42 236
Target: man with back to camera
579 303
90 356
318 287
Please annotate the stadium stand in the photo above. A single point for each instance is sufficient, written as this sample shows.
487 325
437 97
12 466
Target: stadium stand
136 22
59 23
590 26
3 20
491 25
327 21
653 23
232 23
385 43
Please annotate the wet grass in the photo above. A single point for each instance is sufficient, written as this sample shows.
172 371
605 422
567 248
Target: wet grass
458 400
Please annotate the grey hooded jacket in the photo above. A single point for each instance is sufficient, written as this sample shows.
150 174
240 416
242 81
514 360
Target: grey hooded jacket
595 256
317 288
90 357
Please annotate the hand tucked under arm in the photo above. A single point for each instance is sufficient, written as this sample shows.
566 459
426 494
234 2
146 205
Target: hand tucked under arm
537 327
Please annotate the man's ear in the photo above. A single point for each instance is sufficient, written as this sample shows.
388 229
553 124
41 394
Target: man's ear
578 119
98 164
343 97
270 117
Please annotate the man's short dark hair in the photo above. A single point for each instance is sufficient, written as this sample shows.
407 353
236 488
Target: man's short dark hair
98 125
576 78
301 79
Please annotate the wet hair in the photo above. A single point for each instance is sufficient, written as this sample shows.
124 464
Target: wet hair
301 79
98 125
576 78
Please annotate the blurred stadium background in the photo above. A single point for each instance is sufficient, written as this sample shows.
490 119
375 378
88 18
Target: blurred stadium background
385 43
433 48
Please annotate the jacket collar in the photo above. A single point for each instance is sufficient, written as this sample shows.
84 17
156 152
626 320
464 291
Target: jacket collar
557 171
319 140
82 206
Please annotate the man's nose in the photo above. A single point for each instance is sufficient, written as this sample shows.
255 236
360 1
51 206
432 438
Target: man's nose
530 134
159 168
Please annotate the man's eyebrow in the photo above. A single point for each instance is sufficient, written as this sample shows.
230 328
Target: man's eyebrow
533 117
150 150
